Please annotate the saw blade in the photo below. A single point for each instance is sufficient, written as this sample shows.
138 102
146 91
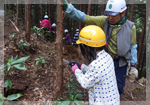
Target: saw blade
66 61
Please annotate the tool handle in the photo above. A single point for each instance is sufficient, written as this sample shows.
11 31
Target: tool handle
73 63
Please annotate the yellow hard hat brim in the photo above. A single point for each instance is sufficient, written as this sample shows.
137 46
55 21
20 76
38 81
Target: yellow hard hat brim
78 41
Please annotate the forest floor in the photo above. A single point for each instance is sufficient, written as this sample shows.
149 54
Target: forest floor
37 84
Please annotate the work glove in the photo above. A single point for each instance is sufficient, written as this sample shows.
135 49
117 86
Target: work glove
73 68
65 4
72 63
133 74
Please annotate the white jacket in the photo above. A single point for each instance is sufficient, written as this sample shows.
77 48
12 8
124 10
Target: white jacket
100 80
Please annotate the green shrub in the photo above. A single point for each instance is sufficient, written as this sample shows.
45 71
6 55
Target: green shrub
40 61
9 98
12 62
74 97
22 44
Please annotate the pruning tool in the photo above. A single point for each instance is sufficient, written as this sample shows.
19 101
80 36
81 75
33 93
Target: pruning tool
72 63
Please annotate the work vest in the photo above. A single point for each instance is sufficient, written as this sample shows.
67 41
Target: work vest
123 40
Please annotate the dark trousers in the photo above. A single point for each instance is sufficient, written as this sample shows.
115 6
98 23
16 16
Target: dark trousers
120 75
68 43
75 45
46 35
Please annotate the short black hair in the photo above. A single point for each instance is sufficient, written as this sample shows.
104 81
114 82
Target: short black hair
90 55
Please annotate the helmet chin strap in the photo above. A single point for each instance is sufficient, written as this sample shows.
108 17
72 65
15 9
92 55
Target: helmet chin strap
121 17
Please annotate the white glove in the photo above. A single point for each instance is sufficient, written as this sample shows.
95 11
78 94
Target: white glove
63 37
53 25
53 31
133 74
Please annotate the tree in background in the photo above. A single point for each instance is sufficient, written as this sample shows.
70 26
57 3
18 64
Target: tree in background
59 55
18 13
89 7
28 19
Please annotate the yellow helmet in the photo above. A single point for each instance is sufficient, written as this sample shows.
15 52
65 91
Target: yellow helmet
92 36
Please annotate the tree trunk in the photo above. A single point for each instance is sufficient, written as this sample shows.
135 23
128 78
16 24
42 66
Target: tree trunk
43 11
18 13
85 8
28 21
6 5
141 41
103 7
131 12
97 8
26 15
80 23
68 23
142 63
89 7
50 11
59 55
12 8
37 18
94 10
22 13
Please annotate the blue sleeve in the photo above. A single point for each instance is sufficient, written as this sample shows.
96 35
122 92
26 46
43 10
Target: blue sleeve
133 54
74 14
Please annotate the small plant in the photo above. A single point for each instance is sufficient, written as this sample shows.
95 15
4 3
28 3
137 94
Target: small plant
9 98
13 35
22 44
8 84
36 30
14 62
40 61
74 97
50 53
48 32
138 89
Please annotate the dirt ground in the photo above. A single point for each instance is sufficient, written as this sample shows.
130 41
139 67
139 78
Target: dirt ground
37 84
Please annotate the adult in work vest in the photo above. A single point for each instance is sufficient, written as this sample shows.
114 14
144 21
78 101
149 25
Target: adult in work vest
123 40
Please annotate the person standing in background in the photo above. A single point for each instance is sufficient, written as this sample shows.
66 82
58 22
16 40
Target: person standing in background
75 38
67 38
46 27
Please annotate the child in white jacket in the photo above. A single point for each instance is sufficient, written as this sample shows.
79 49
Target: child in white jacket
99 76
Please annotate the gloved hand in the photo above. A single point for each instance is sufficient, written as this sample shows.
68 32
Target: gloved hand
73 68
133 74
72 63
65 4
